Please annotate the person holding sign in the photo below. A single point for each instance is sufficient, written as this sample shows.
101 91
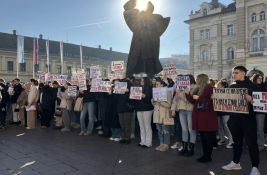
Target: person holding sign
243 125
257 79
144 110
162 118
204 118
185 108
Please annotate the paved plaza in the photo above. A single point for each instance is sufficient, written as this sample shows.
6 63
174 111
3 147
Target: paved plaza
51 152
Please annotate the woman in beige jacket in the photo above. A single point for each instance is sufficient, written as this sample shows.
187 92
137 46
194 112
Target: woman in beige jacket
66 106
31 108
185 108
162 118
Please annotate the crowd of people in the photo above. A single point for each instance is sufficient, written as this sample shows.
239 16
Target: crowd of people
185 115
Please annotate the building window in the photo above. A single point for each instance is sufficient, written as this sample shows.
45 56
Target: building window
204 56
230 30
230 53
10 66
58 69
207 34
22 67
202 34
205 12
258 40
262 16
69 70
253 17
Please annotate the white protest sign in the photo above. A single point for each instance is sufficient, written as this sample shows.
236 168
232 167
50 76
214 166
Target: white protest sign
72 91
41 75
136 93
95 72
105 86
183 83
260 101
170 70
95 84
120 88
160 94
117 65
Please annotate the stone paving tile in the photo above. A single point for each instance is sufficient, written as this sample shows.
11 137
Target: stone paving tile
57 153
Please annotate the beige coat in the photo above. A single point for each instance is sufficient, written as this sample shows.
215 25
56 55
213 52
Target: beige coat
181 103
162 110
33 96
66 101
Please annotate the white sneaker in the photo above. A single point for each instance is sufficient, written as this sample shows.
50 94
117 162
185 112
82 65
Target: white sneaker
117 139
81 133
132 136
255 171
111 138
221 142
230 145
175 145
100 132
232 166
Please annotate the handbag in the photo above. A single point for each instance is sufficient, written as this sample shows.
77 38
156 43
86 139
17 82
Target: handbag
202 105
78 107
58 112
168 121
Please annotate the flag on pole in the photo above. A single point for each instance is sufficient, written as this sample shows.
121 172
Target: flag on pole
20 49
61 56
47 55
35 51
81 55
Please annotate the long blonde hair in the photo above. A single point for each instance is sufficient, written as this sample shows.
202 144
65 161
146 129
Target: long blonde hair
202 82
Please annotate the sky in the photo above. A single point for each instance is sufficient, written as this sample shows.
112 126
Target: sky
95 22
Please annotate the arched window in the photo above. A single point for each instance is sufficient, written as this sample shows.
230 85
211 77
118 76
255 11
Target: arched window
230 53
204 56
258 40
253 17
205 12
262 16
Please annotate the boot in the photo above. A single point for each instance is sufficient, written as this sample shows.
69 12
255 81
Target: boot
164 148
184 149
190 150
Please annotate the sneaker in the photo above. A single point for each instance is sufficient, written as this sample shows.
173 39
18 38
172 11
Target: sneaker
65 130
111 138
255 171
164 148
116 139
232 166
99 127
87 133
230 145
176 145
100 132
221 142
81 133
158 147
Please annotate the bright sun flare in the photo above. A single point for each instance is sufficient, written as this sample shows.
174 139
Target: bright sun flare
142 4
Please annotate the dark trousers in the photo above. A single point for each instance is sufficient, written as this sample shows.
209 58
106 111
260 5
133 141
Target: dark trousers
126 124
207 140
46 117
102 109
2 117
177 128
244 127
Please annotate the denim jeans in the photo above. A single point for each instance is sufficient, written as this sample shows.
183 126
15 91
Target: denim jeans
186 123
90 109
115 132
164 134
260 118
224 129
177 128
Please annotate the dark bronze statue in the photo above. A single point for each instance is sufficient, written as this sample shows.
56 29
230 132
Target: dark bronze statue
147 29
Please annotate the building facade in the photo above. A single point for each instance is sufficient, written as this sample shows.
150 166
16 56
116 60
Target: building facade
91 56
224 36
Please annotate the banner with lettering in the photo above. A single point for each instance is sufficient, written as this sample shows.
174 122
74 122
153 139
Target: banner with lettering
117 65
260 101
230 100
160 94
183 83
136 93
170 70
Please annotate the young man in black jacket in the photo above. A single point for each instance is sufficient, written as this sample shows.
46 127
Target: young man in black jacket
3 103
243 125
